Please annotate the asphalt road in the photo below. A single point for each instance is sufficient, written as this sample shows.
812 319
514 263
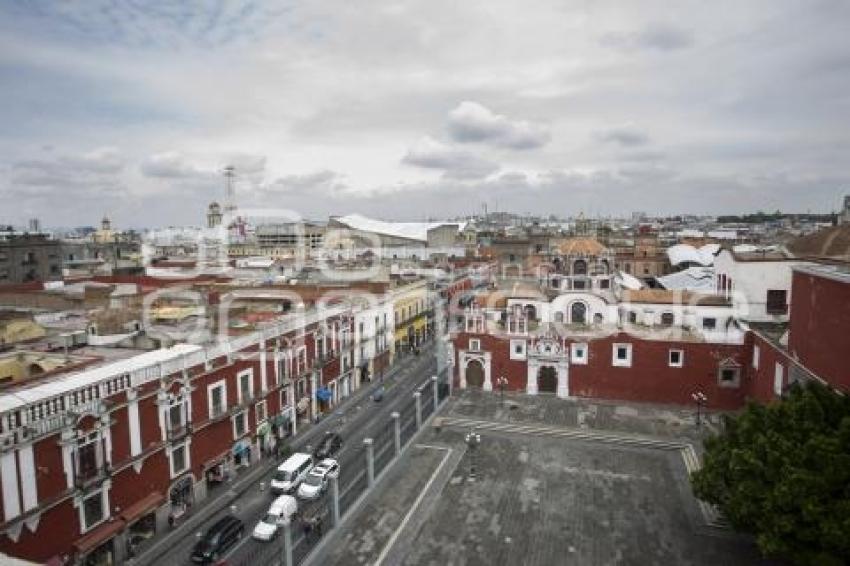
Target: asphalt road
354 420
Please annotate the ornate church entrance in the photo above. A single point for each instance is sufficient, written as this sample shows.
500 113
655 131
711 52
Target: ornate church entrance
474 374
547 379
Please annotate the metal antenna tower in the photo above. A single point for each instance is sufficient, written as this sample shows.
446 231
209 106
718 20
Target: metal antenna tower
229 189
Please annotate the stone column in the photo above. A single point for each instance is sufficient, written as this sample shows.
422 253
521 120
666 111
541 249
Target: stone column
397 427
450 369
417 396
370 460
462 371
435 384
563 379
335 499
531 384
488 378
313 400
287 543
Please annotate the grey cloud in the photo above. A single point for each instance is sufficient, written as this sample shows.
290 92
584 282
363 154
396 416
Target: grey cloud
455 163
171 165
98 169
657 36
324 181
473 122
627 135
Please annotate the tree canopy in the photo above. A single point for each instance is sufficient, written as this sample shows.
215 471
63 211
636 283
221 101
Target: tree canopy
782 472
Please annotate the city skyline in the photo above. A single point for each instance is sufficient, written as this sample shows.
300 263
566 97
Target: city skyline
413 110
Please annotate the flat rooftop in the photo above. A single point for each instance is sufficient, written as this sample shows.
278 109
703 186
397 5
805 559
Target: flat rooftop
556 483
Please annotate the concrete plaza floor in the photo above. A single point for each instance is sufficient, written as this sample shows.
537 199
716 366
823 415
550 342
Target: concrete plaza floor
549 490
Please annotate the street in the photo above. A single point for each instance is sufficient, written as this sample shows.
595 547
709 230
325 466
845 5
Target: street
355 420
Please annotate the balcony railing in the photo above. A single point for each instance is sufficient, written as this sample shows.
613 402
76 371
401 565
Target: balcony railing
90 475
176 432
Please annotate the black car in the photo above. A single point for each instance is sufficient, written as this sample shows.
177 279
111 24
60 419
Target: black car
218 539
328 446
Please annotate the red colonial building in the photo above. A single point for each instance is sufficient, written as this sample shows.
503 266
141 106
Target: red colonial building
93 459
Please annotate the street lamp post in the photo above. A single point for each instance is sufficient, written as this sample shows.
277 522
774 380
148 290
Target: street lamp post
701 400
473 439
502 382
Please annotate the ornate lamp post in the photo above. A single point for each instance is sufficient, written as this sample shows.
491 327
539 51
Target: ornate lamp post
473 439
701 401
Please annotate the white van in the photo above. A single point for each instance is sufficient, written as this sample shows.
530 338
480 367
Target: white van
281 511
289 474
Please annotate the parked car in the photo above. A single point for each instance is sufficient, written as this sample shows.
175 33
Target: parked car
317 480
280 512
378 395
291 473
218 539
328 446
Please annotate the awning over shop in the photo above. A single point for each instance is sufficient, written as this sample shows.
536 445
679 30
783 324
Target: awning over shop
142 507
282 419
323 394
98 536
216 461
263 428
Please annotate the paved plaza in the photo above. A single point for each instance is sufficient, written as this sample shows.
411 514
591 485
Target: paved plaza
547 491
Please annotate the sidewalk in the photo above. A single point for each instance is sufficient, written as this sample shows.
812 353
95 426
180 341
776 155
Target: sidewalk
248 479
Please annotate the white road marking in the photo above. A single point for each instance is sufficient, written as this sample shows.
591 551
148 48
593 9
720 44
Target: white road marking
403 524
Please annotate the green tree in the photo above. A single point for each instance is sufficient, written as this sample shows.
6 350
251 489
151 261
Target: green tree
782 472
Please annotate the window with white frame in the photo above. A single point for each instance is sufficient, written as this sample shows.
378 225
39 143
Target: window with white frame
217 399
578 353
756 353
260 413
474 344
517 349
284 398
176 416
88 457
729 376
245 379
622 355
709 323
240 424
676 358
94 510
179 460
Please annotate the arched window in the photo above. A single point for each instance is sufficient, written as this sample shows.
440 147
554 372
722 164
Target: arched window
667 319
530 312
597 318
578 313
632 317
580 267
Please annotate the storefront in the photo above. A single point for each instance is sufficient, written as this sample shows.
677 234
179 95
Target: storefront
216 471
140 519
265 438
282 424
242 453
97 547
324 396
181 496
303 408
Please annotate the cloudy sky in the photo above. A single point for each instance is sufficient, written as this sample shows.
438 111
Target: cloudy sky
421 109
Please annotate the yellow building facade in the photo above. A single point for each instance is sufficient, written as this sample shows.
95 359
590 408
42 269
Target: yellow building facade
411 305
